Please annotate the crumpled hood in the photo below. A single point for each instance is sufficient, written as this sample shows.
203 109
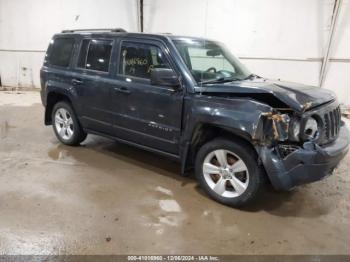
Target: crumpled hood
297 96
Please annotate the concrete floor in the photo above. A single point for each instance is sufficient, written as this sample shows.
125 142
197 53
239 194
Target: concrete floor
108 198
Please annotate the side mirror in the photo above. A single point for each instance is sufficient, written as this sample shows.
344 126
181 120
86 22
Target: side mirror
164 77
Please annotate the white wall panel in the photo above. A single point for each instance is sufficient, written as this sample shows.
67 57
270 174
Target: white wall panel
21 69
259 30
269 28
341 45
265 30
337 81
298 71
28 25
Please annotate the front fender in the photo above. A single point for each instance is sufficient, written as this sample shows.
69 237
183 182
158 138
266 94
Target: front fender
254 121
243 116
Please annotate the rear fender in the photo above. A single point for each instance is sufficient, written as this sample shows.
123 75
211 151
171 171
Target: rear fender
58 91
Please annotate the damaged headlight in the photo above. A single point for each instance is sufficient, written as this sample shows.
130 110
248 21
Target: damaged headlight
312 129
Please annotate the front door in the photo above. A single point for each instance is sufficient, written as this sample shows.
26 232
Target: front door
146 114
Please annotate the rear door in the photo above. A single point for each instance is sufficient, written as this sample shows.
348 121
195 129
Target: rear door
93 83
143 113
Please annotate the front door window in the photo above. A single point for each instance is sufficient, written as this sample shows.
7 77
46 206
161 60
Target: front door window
138 60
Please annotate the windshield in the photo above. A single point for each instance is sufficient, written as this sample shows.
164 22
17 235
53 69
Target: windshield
209 61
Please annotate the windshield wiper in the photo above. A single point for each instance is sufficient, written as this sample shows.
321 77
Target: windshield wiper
252 76
220 80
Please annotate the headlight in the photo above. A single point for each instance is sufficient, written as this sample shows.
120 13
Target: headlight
311 130
294 130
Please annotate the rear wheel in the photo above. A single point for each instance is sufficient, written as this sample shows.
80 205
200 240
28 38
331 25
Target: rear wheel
66 125
228 171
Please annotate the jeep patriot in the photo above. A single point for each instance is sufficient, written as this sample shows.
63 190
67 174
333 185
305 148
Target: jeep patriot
191 100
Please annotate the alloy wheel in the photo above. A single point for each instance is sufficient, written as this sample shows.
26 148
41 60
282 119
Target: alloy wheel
64 124
225 173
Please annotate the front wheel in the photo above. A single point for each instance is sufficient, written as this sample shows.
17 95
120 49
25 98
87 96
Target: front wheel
228 171
66 125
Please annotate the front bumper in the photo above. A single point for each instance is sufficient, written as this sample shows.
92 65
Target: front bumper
307 164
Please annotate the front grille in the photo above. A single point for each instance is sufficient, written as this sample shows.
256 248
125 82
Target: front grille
332 121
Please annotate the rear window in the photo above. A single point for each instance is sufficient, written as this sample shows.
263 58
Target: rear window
61 52
95 54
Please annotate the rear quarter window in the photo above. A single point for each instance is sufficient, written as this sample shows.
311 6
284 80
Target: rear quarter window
61 52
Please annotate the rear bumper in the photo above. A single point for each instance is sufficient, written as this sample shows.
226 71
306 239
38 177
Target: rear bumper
308 164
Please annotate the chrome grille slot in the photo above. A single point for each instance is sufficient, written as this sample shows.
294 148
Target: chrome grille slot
326 125
338 119
332 121
332 126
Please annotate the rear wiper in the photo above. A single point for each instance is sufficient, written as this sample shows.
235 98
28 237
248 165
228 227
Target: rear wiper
220 80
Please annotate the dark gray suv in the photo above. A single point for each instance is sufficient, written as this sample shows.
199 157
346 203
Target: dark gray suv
191 100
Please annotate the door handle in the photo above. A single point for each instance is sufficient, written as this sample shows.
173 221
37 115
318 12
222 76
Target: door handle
76 81
122 89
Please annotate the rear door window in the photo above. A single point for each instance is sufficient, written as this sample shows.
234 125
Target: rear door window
95 54
61 52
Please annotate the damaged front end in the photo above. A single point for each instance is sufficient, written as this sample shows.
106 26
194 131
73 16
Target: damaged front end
277 125
301 148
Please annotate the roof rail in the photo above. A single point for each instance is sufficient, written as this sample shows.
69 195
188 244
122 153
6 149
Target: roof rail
114 30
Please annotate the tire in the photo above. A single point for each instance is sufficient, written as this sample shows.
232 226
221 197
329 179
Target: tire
239 182
66 125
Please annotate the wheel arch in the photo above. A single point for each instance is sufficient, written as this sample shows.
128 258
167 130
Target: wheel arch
53 98
205 132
